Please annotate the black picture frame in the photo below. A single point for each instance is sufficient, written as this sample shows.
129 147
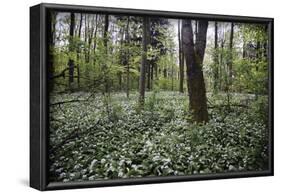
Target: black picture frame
39 97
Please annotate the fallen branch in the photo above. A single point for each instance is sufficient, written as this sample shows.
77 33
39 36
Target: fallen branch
71 101
228 105
62 74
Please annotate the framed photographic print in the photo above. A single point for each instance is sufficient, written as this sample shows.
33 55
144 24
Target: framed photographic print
124 96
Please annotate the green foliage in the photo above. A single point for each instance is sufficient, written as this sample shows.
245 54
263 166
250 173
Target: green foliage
114 140
251 76
103 134
167 84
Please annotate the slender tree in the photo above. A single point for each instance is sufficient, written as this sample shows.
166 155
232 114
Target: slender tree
230 61
121 56
95 39
105 40
216 59
86 23
127 58
172 73
145 31
92 26
148 65
194 58
71 50
148 69
78 50
222 76
181 65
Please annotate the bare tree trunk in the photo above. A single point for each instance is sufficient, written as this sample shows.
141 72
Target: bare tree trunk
222 66
152 75
121 57
216 60
145 30
127 58
86 36
156 71
181 67
172 75
78 50
196 30
90 39
71 49
165 72
244 52
95 39
230 53
148 76
194 58
105 39
148 66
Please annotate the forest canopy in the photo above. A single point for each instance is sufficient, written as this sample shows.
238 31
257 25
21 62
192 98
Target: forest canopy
134 96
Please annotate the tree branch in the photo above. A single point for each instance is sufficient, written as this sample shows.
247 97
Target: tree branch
71 101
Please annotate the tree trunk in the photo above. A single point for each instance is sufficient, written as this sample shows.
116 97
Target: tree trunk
71 49
216 60
90 39
244 52
105 39
156 71
230 62
194 58
172 75
78 50
196 30
121 57
145 30
151 75
181 67
165 72
86 37
148 76
148 65
95 40
222 66
127 58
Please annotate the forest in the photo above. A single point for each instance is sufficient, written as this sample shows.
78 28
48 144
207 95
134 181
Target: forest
138 96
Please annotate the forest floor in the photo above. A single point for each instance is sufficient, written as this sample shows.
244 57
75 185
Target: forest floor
98 137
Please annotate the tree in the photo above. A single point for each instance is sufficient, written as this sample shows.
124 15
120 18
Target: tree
90 38
216 60
222 72
230 60
71 50
121 53
95 39
181 65
78 50
158 32
105 40
127 58
194 58
145 34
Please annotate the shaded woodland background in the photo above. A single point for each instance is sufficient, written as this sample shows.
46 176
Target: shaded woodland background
148 96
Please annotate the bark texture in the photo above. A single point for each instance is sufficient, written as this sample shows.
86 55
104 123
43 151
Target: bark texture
194 53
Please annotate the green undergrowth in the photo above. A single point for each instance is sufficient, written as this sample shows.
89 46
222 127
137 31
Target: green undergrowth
112 137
